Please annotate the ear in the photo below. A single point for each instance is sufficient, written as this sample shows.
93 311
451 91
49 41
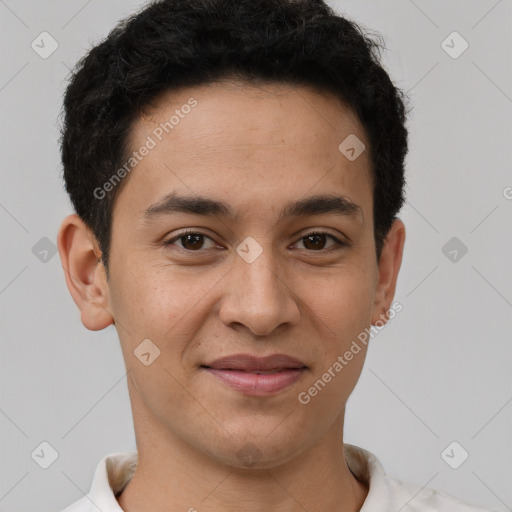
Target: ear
389 265
84 273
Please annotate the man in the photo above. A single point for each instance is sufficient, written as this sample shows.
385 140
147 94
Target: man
237 168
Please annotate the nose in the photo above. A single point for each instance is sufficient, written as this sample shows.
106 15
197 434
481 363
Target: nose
259 296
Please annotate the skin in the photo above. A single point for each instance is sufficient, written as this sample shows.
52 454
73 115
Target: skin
206 302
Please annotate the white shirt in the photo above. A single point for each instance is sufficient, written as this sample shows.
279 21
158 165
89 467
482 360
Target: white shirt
385 494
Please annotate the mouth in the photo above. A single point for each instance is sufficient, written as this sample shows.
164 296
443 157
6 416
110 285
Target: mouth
258 376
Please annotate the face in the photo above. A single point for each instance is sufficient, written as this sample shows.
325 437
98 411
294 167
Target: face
244 231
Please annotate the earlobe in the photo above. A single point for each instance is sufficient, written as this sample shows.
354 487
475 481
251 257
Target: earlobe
389 266
84 274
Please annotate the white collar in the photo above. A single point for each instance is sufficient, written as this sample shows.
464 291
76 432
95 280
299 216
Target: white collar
385 493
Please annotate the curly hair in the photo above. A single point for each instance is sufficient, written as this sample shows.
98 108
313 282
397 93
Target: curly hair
172 44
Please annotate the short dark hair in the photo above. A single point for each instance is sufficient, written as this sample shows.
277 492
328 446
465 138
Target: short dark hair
172 44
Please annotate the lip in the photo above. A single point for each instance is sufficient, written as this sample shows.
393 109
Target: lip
239 372
250 363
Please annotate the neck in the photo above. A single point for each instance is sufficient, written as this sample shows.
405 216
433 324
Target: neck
172 475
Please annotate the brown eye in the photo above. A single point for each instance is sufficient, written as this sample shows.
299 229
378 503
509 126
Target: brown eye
316 241
189 241
192 242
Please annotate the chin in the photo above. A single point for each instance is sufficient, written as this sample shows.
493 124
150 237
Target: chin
261 451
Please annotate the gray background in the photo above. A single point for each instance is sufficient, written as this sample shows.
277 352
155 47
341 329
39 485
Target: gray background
439 372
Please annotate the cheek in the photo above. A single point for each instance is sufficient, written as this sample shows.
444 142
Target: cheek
341 302
342 311
168 307
156 306
155 301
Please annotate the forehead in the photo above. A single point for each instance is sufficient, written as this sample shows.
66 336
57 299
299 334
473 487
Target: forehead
243 111
226 137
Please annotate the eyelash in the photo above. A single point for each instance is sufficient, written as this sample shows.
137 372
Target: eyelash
339 244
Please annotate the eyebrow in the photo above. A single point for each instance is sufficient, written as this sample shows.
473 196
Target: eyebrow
199 205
